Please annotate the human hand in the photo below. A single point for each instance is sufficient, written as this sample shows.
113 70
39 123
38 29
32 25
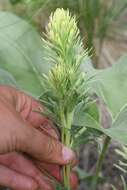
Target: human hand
19 132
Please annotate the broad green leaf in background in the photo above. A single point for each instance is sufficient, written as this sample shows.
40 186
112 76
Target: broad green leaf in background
110 84
118 130
88 117
21 52
87 122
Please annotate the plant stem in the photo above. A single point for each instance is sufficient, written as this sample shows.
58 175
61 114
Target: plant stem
66 140
100 162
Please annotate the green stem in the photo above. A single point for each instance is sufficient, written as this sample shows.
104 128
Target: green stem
66 168
100 162
66 140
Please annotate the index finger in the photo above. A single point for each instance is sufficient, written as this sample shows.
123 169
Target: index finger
45 148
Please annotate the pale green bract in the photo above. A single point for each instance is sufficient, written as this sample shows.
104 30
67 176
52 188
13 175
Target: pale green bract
65 86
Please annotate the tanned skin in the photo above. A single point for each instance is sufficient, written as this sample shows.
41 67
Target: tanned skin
29 144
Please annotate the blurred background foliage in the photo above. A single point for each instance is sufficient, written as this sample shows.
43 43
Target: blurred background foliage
102 23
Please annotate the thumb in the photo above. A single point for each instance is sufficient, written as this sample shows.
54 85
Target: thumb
44 147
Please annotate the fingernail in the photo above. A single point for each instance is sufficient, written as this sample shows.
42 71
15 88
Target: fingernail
68 154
